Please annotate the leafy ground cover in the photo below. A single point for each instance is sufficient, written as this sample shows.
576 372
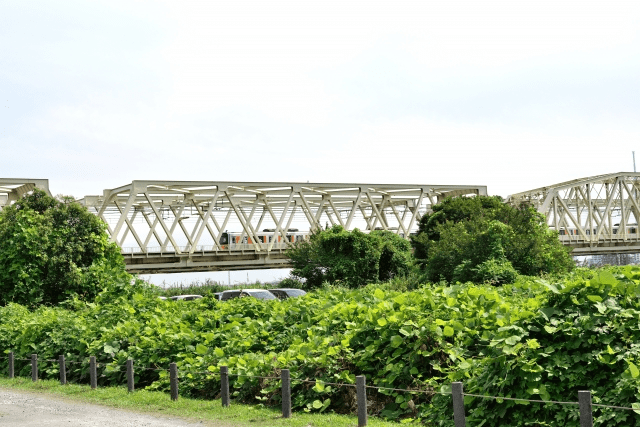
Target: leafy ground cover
533 339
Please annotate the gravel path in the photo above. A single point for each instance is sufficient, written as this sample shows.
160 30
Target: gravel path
28 409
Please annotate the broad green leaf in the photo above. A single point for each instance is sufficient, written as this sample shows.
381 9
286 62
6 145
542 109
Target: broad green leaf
405 331
218 352
633 370
379 294
512 340
400 299
448 331
548 312
316 404
594 298
606 278
201 349
533 344
382 321
396 341
552 288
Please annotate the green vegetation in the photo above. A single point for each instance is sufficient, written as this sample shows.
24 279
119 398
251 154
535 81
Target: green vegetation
53 249
352 258
482 239
505 313
533 339
207 411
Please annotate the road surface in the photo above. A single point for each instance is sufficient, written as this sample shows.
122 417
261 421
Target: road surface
20 409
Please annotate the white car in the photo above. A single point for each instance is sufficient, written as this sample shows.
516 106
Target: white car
185 297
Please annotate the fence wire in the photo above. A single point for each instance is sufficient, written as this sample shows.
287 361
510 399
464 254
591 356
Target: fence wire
182 374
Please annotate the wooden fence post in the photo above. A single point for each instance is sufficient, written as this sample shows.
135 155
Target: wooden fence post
11 365
63 369
224 385
285 375
130 383
93 374
173 379
458 405
361 390
584 400
34 367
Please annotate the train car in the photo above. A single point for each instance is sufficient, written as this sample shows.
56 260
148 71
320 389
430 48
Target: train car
630 228
230 239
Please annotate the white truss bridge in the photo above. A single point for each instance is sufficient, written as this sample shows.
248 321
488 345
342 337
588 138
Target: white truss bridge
178 226
594 215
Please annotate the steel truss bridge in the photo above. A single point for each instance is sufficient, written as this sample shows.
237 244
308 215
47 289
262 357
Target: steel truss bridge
11 189
179 226
595 215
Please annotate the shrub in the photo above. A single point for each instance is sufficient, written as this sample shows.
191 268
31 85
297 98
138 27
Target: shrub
52 249
353 258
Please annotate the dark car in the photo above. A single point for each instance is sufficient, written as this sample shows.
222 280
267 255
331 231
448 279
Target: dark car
284 293
255 293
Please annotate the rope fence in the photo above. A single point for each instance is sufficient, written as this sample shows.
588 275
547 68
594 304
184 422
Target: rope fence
584 402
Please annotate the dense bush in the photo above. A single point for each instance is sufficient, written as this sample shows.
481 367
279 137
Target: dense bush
53 249
352 258
481 238
528 340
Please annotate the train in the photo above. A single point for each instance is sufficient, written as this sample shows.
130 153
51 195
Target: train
292 235
630 229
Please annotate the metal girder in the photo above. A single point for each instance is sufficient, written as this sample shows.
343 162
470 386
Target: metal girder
189 225
11 189
597 214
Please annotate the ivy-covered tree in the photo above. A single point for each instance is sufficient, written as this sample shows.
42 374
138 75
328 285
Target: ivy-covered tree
52 249
483 239
353 258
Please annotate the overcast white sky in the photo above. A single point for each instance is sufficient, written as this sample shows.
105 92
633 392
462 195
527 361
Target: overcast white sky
510 94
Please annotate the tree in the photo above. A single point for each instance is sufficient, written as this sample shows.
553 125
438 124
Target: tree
52 249
483 239
351 257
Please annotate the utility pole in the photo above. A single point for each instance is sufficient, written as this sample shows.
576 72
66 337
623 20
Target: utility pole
634 161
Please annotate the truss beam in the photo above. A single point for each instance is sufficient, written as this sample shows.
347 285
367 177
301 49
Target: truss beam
11 189
208 225
593 215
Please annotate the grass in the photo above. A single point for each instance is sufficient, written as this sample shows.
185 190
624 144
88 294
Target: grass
211 413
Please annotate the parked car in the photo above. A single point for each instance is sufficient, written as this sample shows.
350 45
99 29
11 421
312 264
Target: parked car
185 297
284 293
239 293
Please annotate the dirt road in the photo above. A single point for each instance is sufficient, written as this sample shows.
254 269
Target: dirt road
21 409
